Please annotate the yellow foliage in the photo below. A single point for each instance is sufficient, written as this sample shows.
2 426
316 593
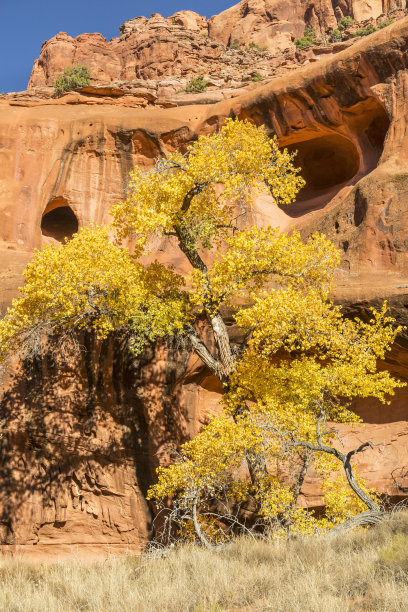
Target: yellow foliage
341 502
243 269
91 283
206 464
211 528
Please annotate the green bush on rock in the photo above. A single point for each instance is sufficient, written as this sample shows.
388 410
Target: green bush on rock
370 29
345 23
73 77
197 85
385 23
308 39
256 47
335 36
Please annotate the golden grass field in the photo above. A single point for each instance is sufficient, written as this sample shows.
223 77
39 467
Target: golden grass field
363 570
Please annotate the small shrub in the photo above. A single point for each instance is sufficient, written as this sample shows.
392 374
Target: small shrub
205 35
394 556
370 29
385 23
335 36
77 76
308 39
345 23
235 46
256 47
323 40
257 76
197 85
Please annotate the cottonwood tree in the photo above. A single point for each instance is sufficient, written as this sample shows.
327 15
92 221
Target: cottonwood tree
300 362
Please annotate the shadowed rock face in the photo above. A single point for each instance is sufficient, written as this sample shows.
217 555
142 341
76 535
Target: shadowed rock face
78 459
80 440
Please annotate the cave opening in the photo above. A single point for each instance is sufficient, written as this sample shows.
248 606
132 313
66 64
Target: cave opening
325 162
59 221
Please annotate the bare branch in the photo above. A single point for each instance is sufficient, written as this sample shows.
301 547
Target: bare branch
345 460
197 528
370 517
223 344
402 476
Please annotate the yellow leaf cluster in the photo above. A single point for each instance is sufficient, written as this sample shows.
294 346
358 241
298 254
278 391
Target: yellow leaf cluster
206 464
251 259
341 502
212 529
90 283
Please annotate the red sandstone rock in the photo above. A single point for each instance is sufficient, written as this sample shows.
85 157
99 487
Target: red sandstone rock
147 48
80 441
190 20
157 54
275 23
186 44
272 23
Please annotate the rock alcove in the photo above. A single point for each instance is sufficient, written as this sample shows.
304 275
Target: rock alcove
326 162
59 221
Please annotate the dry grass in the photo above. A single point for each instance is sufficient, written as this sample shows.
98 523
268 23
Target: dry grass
365 570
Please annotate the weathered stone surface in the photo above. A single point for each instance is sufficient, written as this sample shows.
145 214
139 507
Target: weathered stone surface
274 23
147 48
190 20
255 38
77 460
93 429
158 55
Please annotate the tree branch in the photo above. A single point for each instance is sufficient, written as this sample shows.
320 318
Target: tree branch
403 475
370 517
198 188
202 351
185 242
302 476
345 460
197 528
215 319
223 344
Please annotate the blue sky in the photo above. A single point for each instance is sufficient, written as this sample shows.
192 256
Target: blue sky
26 24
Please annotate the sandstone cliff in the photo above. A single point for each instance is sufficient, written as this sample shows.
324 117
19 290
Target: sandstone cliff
80 441
186 43
274 23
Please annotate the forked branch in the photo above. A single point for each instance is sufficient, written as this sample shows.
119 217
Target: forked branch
345 460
